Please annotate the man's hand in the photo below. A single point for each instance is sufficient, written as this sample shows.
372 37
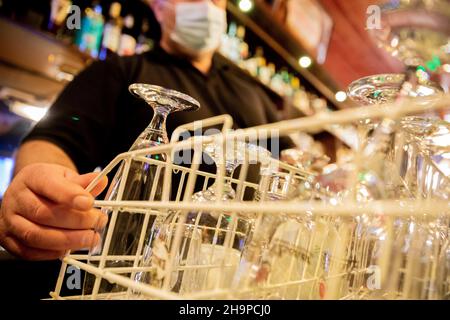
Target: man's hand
46 211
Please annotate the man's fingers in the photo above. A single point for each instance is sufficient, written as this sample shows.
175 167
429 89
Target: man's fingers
72 219
47 213
51 182
100 186
16 248
43 237
85 179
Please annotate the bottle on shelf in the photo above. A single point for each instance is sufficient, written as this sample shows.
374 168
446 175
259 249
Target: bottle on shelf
127 44
112 32
233 45
144 42
226 45
253 64
59 10
295 84
287 88
89 37
241 45
300 99
265 72
277 83
282 82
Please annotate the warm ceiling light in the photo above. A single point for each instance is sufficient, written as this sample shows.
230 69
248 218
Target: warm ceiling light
340 96
245 5
446 67
304 61
28 111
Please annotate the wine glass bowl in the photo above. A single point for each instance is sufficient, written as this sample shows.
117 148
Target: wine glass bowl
305 160
160 96
417 138
415 31
385 88
140 178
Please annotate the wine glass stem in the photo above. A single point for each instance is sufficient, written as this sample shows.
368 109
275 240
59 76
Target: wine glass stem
227 187
159 118
156 130
229 170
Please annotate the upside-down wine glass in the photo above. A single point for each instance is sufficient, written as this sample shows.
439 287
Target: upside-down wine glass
141 178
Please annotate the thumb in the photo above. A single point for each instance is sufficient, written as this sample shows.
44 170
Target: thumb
85 179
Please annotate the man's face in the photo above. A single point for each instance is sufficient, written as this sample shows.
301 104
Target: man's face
165 14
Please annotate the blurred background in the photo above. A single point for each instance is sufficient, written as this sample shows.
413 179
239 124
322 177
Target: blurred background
306 52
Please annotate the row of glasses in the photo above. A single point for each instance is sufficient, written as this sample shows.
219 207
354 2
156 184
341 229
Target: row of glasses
284 259
206 247
366 234
212 242
308 256
261 261
411 254
219 249
402 245
420 263
342 244
417 33
397 245
421 155
414 247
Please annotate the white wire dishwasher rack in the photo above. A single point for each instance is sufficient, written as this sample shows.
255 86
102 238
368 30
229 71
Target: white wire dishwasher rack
319 250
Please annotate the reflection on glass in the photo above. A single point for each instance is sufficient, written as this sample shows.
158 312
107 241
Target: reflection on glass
415 31
396 164
139 184
211 242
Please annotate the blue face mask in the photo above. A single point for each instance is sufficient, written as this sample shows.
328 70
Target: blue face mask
199 26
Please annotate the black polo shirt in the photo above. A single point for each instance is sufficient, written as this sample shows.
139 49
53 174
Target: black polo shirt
95 117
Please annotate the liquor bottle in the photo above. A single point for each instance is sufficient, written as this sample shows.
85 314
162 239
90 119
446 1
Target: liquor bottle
225 44
232 32
287 89
88 38
58 13
234 43
113 30
300 99
277 83
265 72
254 62
242 46
144 42
127 45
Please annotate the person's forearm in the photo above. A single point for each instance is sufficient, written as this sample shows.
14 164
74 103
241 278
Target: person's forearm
37 151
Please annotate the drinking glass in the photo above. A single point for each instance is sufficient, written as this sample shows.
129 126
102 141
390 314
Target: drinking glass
278 247
139 183
212 242
305 160
415 31
402 173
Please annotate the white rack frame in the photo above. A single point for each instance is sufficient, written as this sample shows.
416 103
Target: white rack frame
430 207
